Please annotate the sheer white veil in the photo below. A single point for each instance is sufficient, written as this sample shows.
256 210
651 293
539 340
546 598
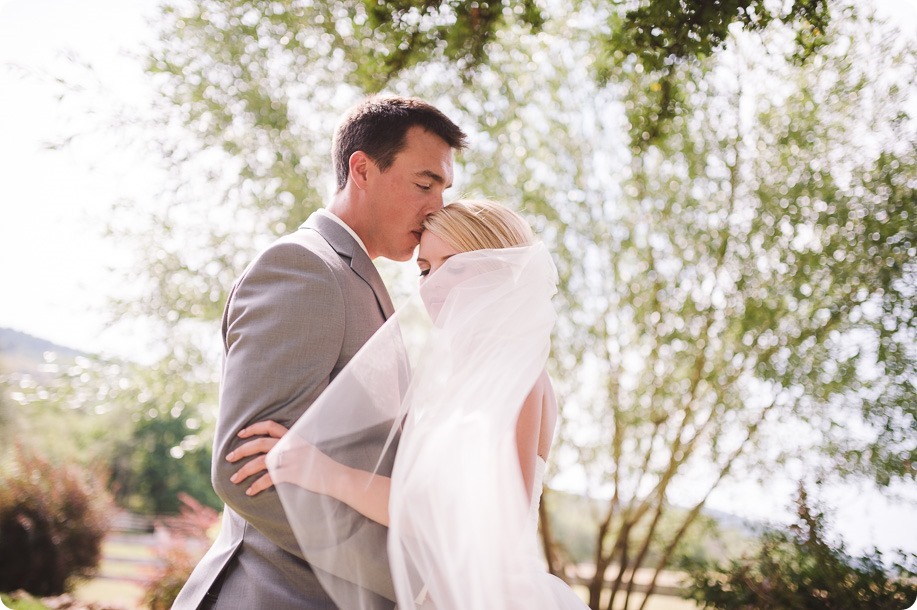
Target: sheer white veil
432 401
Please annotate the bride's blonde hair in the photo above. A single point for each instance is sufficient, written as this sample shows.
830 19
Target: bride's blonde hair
479 224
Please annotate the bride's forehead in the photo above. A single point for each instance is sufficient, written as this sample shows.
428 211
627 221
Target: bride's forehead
432 245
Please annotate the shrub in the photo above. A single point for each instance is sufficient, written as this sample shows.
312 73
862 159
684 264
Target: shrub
52 521
187 536
178 563
799 569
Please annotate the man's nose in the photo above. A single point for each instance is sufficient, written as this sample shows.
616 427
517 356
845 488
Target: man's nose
435 204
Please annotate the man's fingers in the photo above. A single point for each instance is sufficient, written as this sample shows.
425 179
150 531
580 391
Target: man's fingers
260 485
252 467
253 447
266 427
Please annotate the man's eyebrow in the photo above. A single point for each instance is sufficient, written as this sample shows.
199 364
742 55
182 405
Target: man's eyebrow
432 176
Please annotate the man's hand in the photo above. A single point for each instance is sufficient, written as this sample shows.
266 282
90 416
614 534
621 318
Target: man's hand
268 433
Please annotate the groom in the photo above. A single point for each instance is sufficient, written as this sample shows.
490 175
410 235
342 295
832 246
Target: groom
294 319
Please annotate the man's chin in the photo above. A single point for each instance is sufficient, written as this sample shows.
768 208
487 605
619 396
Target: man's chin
401 257
408 253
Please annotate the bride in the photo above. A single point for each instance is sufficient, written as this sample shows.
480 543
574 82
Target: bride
454 391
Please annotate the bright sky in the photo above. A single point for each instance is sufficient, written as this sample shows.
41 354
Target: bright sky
53 261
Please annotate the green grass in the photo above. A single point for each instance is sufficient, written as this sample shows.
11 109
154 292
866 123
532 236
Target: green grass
29 603
138 556
115 569
657 602
100 591
665 602
128 550
121 593
111 592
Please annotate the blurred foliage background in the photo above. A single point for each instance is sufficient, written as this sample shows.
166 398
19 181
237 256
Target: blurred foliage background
728 188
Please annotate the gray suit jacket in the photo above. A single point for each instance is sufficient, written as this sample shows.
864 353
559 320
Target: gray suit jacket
294 319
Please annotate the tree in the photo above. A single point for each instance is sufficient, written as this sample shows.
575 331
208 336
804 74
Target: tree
168 450
143 424
254 88
725 303
662 36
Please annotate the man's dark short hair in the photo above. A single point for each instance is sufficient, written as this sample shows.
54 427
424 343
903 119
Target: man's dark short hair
378 127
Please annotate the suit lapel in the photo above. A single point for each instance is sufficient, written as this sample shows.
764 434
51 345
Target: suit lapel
344 244
364 267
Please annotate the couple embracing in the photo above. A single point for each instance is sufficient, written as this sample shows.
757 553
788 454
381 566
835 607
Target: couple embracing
373 459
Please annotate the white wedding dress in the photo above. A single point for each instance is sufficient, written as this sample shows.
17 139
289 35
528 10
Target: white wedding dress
432 401
563 597
537 486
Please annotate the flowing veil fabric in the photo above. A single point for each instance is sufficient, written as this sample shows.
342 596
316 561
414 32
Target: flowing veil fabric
432 401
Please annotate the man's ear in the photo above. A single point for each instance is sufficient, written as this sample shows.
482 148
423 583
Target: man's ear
360 165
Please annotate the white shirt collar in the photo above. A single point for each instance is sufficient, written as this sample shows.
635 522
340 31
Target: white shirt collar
353 234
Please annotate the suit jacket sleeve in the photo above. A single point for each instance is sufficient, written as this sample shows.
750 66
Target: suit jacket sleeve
283 329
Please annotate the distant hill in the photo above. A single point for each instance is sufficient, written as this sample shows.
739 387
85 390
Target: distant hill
24 353
572 518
